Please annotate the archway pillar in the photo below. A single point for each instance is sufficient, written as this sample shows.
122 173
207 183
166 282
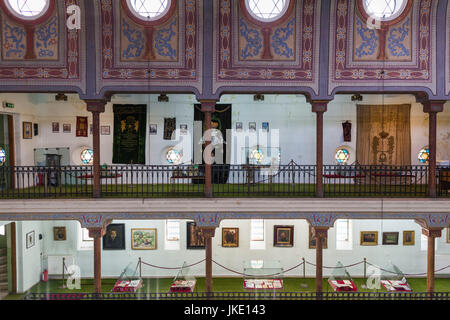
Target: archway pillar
319 107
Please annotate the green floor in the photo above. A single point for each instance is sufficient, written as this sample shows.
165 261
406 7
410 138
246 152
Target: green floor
223 285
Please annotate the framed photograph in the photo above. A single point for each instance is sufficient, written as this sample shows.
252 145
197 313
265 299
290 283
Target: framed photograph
67 128
27 130
265 127
55 127
195 238
82 127
183 129
369 238
35 129
390 238
252 126
114 239
143 239
30 240
408 238
105 130
239 126
312 240
59 233
283 236
230 237
153 129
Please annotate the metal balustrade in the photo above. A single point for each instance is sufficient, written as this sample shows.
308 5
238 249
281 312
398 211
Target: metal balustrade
154 181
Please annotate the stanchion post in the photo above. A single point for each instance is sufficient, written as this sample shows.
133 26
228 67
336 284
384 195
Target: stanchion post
63 286
140 268
304 268
365 266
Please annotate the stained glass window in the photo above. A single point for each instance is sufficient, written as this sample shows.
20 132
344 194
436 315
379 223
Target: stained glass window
29 8
149 9
384 10
256 156
342 156
267 10
87 156
2 156
424 155
173 156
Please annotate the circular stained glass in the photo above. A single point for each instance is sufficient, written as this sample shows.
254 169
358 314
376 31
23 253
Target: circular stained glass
87 156
149 9
424 155
28 9
2 156
256 156
267 10
384 10
173 156
342 156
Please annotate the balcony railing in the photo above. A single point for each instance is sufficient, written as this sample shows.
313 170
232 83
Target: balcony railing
149 181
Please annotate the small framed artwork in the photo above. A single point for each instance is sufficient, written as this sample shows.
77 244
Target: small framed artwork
82 127
390 238
27 130
312 240
59 233
239 126
67 128
35 129
408 238
283 236
230 237
183 129
195 238
265 127
55 127
252 126
30 240
114 239
153 129
143 239
105 130
369 238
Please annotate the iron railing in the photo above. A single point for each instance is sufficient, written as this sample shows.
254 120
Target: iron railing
152 181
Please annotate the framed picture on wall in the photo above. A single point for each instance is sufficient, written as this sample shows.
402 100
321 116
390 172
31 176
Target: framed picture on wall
143 239
195 238
82 127
153 129
105 130
114 239
312 240
183 129
230 237
390 238
30 239
239 126
252 126
408 238
265 127
283 236
59 233
35 129
27 130
67 128
55 127
369 238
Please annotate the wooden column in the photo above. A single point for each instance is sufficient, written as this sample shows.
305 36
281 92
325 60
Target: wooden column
432 234
432 108
97 234
319 107
319 233
96 107
208 233
208 107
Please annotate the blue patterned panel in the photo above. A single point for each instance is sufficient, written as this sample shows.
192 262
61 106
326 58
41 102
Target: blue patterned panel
136 41
253 39
163 39
368 40
14 39
281 35
46 39
396 40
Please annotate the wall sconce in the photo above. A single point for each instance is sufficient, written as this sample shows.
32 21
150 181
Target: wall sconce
163 98
258 97
357 97
61 97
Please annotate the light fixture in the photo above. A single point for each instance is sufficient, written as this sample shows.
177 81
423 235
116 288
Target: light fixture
163 98
61 97
357 97
258 97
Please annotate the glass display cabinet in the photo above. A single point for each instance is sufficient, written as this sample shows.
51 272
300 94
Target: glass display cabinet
262 274
129 280
340 279
184 281
393 280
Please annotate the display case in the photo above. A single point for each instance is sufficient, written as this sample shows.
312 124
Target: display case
184 281
340 280
129 280
393 280
263 275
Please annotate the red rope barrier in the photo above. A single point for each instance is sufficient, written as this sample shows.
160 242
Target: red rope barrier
169 268
262 275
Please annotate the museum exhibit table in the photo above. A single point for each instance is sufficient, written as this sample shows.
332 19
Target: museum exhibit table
262 275
340 280
393 280
183 281
129 280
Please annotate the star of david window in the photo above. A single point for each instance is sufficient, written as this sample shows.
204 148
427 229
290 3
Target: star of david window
149 10
28 9
267 10
342 156
384 10
2 156
173 156
424 155
256 156
87 156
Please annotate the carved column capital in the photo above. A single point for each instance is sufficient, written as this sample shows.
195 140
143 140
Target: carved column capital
433 106
319 106
96 232
208 232
96 105
319 232
208 105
